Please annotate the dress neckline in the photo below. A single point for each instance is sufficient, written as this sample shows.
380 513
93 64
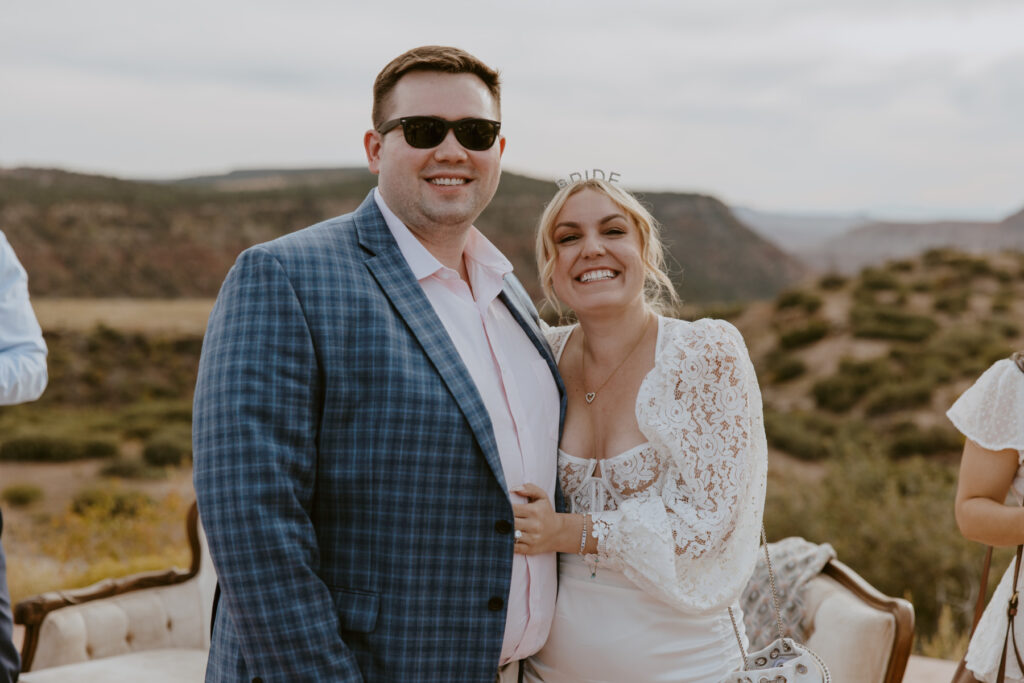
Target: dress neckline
619 456
575 326
636 403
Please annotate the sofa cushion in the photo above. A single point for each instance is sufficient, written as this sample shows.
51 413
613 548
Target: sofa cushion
152 666
156 618
846 633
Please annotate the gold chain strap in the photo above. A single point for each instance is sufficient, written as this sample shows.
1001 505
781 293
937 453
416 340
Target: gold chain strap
778 616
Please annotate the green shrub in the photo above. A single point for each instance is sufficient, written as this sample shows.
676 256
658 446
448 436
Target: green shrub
922 286
831 281
915 361
39 449
20 495
803 435
1006 329
880 322
807 333
875 279
129 468
162 453
966 351
906 439
899 395
55 449
784 367
98 448
1002 301
169 447
902 266
106 502
797 298
951 302
843 390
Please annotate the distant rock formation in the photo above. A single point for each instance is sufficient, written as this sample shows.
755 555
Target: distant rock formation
93 236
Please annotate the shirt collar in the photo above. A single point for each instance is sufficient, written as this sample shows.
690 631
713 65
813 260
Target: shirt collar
485 264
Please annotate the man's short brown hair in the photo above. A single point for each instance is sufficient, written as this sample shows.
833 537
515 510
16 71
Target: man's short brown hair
450 60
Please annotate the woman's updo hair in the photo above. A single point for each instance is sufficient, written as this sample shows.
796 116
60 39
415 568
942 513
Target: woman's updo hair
659 293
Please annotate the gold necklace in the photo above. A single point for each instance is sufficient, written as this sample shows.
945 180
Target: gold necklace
589 396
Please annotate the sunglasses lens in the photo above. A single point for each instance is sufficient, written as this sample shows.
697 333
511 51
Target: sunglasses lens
423 132
427 132
476 134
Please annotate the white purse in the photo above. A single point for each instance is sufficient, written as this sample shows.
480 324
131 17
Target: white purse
784 660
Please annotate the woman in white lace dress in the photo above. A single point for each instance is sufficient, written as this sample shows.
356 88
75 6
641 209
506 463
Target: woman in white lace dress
662 460
988 498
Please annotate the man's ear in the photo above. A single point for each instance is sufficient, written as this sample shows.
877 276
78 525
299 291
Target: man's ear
372 143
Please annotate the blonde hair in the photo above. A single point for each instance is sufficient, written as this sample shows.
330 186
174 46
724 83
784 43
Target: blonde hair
659 293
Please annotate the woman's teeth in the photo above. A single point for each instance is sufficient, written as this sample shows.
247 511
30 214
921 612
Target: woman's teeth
592 275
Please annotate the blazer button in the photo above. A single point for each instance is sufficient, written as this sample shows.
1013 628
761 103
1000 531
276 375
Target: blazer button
503 526
257 680
495 604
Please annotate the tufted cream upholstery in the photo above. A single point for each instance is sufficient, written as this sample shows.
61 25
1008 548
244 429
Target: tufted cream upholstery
864 638
153 666
161 631
161 634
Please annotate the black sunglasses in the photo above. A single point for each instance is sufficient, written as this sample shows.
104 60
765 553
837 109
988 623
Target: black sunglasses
425 132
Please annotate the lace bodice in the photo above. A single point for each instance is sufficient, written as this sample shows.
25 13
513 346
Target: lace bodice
590 488
681 514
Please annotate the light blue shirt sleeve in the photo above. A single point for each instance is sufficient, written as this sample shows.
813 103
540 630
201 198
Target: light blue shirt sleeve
22 349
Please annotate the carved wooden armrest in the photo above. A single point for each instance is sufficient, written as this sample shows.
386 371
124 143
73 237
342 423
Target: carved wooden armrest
901 611
31 611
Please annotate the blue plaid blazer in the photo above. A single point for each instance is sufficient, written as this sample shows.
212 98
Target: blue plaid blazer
346 471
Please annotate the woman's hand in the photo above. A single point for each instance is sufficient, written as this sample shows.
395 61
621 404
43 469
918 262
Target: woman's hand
541 529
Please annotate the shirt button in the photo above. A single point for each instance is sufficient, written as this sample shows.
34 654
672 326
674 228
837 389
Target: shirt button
503 526
495 604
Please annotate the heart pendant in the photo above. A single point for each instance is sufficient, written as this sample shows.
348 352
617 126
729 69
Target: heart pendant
591 396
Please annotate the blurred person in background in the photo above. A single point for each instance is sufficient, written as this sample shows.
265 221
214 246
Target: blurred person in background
988 499
22 378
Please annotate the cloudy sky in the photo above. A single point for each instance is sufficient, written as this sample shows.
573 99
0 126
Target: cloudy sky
906 108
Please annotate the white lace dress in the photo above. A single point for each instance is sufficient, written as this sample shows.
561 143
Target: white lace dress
991 414
677 520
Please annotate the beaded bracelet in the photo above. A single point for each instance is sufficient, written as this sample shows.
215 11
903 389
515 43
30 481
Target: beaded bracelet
583 535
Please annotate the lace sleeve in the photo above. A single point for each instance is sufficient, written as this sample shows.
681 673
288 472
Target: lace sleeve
691 539
991 412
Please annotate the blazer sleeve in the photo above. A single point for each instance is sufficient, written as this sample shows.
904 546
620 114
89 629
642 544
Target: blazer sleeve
255 423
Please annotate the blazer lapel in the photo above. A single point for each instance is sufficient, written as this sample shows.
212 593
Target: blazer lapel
518 303
522 309
389 268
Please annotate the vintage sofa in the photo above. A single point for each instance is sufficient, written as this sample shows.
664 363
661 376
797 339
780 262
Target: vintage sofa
155 627
152 627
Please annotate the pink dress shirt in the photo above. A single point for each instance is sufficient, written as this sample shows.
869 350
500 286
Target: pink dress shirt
519 393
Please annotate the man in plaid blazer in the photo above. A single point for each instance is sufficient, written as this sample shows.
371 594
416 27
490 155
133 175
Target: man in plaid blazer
370 389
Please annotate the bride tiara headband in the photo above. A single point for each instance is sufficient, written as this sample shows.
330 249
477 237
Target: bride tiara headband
588 174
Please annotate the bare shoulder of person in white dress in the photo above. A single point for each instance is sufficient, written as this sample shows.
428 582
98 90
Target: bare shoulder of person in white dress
662 459
989 494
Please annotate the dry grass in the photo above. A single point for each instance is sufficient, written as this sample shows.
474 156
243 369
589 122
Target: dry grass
178 316
50 548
